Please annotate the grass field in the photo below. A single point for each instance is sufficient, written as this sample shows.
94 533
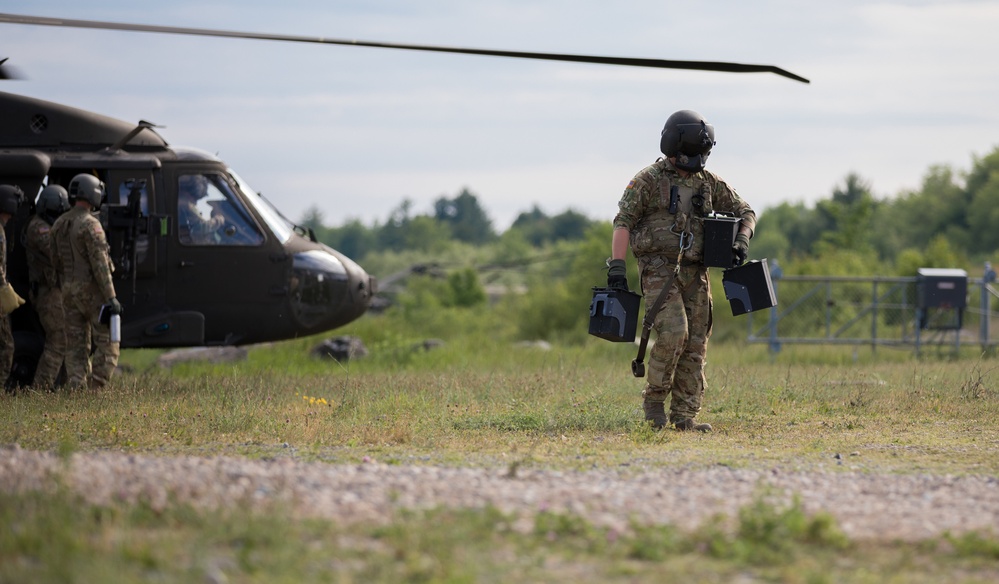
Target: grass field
494 404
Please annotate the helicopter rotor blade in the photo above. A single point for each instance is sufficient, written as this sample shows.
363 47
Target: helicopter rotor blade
625 61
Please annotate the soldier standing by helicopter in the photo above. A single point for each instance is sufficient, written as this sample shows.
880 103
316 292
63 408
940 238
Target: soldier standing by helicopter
10 199
45 293
82 260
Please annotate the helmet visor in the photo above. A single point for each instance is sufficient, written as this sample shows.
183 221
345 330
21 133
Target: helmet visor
696 138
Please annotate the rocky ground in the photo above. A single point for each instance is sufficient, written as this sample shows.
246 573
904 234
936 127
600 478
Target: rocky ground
865 505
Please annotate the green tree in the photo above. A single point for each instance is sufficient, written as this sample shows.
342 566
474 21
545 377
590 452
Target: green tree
352 238
847 217
982 212
466 217
466 290
570 225
424 233
799 226
535 226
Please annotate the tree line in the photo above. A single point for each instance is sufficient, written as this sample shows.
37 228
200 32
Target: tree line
951 220
534 280
459 219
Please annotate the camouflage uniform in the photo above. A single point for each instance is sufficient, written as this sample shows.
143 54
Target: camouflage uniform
81 258
6 336
683 325
46 296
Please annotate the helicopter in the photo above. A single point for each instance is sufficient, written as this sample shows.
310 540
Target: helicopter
257 278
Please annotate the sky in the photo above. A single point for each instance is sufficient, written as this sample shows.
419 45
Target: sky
896 88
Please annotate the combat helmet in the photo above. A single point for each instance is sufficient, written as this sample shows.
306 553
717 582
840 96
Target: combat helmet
10 198
52 202
688 138
87 187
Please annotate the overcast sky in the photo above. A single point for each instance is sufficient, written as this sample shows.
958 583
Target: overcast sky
896 86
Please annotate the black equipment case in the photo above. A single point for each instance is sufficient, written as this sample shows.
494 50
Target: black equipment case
748 287
614 314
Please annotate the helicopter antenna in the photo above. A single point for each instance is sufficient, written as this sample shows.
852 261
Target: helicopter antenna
625 61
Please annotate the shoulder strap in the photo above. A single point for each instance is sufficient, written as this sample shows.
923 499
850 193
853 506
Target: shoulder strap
664 191
638 366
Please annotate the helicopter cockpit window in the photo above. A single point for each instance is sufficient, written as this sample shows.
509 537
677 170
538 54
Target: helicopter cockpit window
210 213
280 227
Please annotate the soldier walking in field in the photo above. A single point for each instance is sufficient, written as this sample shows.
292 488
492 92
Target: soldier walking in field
661 218
10 199
44 291
82 261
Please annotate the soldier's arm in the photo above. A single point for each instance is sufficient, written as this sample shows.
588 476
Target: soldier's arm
96 247
727 200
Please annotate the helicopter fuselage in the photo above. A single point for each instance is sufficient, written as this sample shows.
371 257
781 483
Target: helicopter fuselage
200 258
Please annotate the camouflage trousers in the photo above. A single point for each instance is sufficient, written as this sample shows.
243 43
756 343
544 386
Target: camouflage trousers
83 331
682 327
48 304
6 348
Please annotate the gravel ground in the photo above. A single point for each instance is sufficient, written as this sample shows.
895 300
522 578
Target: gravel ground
865 505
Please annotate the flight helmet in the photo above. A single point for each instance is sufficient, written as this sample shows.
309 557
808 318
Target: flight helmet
87 187
688 138
10 197
52 202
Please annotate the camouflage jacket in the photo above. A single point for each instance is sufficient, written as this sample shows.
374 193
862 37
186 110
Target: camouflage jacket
655 232
80 252
37 245
3 256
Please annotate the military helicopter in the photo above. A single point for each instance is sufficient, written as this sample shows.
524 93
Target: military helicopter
256 278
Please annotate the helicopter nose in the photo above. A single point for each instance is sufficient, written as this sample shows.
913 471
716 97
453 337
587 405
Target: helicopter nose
328 289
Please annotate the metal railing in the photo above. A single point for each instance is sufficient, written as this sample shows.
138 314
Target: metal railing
873 311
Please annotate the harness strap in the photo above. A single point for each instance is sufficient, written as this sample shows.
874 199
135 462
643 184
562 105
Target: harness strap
638 365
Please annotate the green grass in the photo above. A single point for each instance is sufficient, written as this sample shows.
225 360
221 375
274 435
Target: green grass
572 407
492 404
56 538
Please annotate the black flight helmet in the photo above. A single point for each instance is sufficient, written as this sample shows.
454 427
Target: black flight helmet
10 198
52 202
688 138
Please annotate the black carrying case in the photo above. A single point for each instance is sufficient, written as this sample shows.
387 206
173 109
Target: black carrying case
614 314
748 287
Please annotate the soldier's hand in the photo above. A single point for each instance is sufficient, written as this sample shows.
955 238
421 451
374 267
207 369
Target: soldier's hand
114 307
740 250
9 300
617 274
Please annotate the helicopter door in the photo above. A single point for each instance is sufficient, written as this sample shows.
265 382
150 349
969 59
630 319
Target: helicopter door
131 203
221 261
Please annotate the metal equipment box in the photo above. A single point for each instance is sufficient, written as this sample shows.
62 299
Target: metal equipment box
941 288
719 235
748 287
941 297
614 314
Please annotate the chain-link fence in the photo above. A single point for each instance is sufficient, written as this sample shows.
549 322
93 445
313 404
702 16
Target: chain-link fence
879 311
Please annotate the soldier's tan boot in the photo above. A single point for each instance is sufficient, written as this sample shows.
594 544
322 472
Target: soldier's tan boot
655 412
688 424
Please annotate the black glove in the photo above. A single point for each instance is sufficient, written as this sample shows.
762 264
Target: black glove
617 274
740 249
114 307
